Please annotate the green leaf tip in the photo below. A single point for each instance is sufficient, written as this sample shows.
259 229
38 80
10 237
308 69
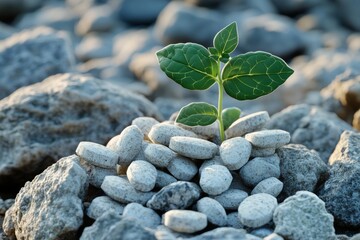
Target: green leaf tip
230 115
254 74
226 40
195 114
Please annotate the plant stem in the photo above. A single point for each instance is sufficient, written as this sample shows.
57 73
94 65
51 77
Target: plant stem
220 105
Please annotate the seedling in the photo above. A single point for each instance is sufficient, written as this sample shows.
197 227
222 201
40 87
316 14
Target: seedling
243 77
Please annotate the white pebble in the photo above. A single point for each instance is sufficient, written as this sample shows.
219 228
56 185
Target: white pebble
235 152
272 186
249 123
193 147
262 152
268 138
144 124
185 221
142 175
163 179
146 217
97 154
257 210
274 236
215 179
215 160
159 155
215 213
101 205
162 132
231 198
182 168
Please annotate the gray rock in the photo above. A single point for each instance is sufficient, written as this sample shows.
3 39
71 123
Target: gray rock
6 31
178 195
347 149
274 236
356 120
295 6
159 155
185 221
145 124
42 122
162 133
257 210
272 186
227 233
97 154
182 168
96 46
31 56
262 232
303 216
111 226
163 179
55 195
235 152
213 210
179 22
96 174
146 217
4 206
259 169
215 179
121 190
348 12
234 221
310 126
101 205
194 148
301 169
268 138
262 152
142 175
340 193
214 161
247 124
231 198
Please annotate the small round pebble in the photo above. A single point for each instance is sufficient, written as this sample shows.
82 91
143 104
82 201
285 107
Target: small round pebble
215 213
234 221
182 168
102 204
257 210
162 133
143 215
235 152
163 179
97 174
247 124
215 179
97 154
273 236
159 155
144 124
272 186
268 138
215 160
262 152
193 147
142 175
185 221
231 198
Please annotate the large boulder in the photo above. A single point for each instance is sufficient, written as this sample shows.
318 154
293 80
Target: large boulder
43 122
349 12
50 207
32 55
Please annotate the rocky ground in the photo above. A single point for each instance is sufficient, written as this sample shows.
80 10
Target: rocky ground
88 144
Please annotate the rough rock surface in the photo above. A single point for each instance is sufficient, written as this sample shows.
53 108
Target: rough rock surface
55 195
347 149
31 56
43 122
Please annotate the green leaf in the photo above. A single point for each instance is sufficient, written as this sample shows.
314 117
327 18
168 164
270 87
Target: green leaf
213 51
254 74
200 113
230 115
226 40
189 65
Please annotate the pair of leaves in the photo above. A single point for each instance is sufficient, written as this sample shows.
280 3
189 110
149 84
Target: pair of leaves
204 114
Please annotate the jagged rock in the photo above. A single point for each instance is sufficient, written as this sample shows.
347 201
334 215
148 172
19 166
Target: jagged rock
347 149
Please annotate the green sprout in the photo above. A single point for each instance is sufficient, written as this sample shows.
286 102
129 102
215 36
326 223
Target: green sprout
243 77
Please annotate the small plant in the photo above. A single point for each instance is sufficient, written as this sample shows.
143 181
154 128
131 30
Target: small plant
244 77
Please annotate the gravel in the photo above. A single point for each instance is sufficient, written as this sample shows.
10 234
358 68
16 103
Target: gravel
268 138
159 155
142 175
247 124
103 204
185 221
193 147
215 179
97 154
162 132
213 210
235 152
182 168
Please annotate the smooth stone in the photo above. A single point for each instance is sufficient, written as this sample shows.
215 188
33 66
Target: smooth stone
214 161
146 217
159 155
185 221
103 204
257 210
177 195
193 147
303 216
231 198
272 186
162 133
145 124
273 236
215 179
235 152
182 168
96 174
142 175
247 124
121 190
234 221
97 154
268 138
163 179
262 152
215 213
227 233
